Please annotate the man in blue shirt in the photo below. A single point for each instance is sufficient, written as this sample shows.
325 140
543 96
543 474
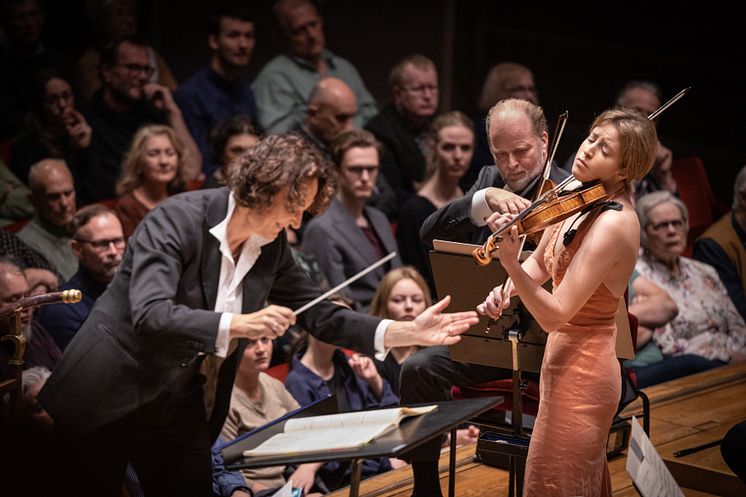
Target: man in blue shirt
98 243
217 91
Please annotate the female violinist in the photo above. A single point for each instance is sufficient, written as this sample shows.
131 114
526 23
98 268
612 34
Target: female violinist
590 267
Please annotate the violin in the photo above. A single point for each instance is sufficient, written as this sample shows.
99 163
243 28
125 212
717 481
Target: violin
553 207
556 205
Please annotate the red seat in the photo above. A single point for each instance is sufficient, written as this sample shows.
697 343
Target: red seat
279 371
695 192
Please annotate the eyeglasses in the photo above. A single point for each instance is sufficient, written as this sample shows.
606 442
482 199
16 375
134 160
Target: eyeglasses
102 245
676 224
134 69
359 170
422 89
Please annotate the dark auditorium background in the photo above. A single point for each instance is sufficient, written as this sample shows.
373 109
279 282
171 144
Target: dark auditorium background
580 56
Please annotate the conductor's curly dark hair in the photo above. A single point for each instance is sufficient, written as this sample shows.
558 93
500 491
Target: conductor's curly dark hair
280 161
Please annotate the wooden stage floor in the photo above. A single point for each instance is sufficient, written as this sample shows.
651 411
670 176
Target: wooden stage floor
684 413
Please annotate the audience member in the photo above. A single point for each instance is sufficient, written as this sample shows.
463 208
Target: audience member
451 145
517 130
284 85
256 400
351 236
217 91
403 125
22 54
708 331
40 347
645 96
653 307
723 246
318 370
504 80
125 102
14 198
98 243
33 440
54 129
152 171
228 142
331 109
48 232
113 20
40 275
402 294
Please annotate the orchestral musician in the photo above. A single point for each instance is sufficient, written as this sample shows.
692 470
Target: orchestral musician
589 258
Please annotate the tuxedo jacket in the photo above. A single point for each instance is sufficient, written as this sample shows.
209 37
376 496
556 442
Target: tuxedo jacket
149 331
342 249
452 222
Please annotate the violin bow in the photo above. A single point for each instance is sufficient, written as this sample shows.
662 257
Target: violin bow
668 104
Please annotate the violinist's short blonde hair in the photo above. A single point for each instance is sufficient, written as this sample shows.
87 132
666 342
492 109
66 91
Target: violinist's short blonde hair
638 140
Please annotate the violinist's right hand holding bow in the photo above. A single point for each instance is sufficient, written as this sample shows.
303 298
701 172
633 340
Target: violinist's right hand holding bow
496 301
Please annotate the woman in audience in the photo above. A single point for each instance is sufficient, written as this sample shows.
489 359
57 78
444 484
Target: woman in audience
256 400
402 295
451 146
54 129
153 170
708 331
319 370
229 140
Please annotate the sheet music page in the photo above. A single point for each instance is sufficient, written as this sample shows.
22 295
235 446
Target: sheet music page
647 469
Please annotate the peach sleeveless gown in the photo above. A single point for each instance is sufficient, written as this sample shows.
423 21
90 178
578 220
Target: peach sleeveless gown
579 389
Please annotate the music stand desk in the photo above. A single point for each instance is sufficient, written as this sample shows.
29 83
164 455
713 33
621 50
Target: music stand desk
412 432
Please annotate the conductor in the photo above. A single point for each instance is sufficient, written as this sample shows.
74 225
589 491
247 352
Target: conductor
148 377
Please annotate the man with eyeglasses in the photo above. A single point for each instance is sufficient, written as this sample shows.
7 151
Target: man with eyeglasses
351 236
41 350
284 84
98 242
125 102
53 198
403 126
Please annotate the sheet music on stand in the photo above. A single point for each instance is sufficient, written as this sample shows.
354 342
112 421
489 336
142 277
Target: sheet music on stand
646 467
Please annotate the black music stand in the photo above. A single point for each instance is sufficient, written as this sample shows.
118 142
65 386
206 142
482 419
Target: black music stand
411 433
514 341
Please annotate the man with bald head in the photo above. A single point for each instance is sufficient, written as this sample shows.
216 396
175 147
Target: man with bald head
331 109
284 85
53 198
517 133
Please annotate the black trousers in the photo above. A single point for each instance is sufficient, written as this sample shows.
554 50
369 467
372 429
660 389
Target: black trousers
167 441
428 376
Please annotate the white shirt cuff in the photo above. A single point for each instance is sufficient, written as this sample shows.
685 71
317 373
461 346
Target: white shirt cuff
224 331
381 351
480 210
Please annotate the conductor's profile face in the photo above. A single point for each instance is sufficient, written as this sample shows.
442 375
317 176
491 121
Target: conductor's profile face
270 221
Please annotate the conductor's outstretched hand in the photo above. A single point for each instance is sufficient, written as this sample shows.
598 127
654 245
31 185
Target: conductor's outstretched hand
435 327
